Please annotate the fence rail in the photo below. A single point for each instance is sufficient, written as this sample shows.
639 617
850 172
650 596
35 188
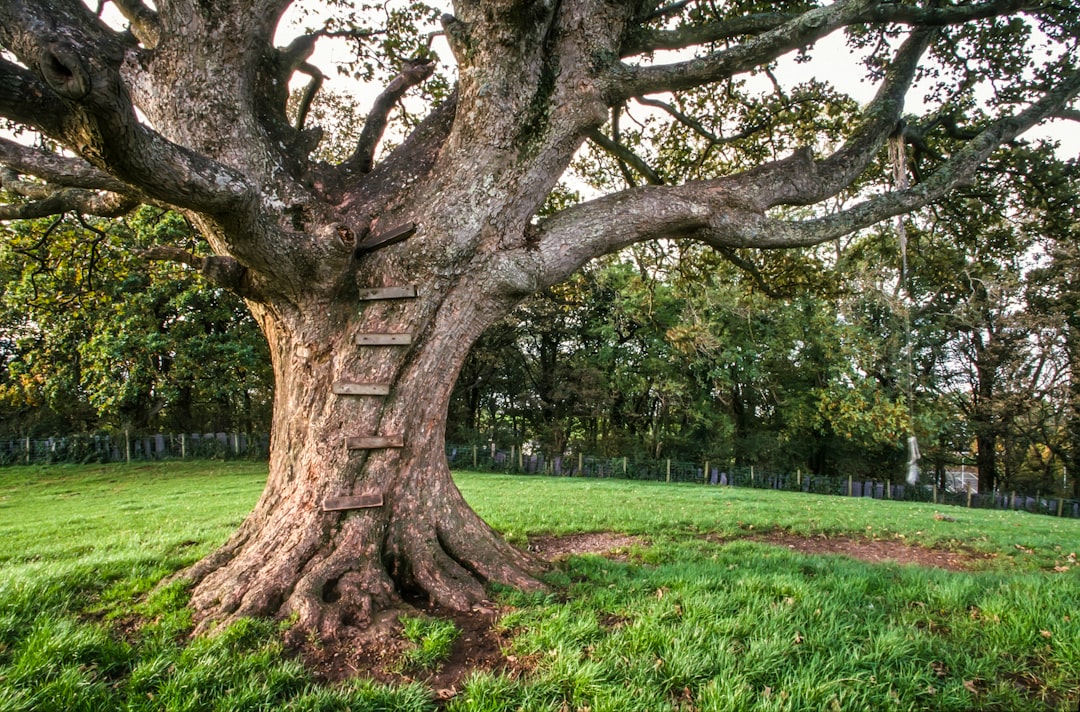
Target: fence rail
120 447
514 461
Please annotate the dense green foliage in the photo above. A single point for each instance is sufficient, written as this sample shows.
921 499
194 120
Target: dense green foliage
92 336
696 614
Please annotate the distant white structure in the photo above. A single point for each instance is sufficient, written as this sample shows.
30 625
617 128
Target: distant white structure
962 480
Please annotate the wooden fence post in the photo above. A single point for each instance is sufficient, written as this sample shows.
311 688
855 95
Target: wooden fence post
581 464
183 446
706 472
474 457
968 488
624 466
1061 505
1012 501
668 470
850 489
127 445
751 475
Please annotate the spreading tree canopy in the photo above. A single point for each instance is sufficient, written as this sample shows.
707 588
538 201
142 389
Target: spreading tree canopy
371 273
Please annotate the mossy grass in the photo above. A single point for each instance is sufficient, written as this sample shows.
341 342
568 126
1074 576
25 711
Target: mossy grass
700 614
432 642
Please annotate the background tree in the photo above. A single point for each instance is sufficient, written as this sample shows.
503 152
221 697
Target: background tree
95 339
1054 293
189 106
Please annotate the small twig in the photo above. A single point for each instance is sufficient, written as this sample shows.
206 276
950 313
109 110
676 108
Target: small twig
625 154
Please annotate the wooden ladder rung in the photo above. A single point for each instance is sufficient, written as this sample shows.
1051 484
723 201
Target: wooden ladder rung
363 501
374 442
343 388
390 236
383 339
406 292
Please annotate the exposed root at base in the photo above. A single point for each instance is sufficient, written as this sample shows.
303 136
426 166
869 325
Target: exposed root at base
346 585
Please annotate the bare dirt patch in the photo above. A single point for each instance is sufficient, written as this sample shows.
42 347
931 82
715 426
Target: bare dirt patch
376 653
876 551
609 544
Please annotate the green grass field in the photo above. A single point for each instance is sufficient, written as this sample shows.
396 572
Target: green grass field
699 615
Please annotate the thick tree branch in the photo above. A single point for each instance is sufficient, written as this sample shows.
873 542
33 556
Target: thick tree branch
414 157
86 202
363 158
55 169
219 270
718 31
26 99
878 121
630 81
956 171
144 21
308 96
697 35
950 14
10 181
799 180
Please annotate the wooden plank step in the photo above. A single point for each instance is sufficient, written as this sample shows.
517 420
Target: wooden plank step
363 501
374 442
342 388
406 292
383 339
385 238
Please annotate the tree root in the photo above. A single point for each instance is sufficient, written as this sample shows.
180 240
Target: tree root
331 574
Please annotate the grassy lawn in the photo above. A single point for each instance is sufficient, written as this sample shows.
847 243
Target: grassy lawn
697 613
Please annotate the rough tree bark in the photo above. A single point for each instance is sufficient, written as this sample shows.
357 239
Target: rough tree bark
187 107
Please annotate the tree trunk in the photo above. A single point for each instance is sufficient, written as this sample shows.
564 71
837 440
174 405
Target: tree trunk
984 423
1072 459
418 539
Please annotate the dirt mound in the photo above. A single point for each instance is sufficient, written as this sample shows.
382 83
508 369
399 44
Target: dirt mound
609 544
876 551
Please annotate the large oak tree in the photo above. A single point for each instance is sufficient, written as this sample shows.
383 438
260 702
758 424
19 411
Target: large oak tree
188 107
